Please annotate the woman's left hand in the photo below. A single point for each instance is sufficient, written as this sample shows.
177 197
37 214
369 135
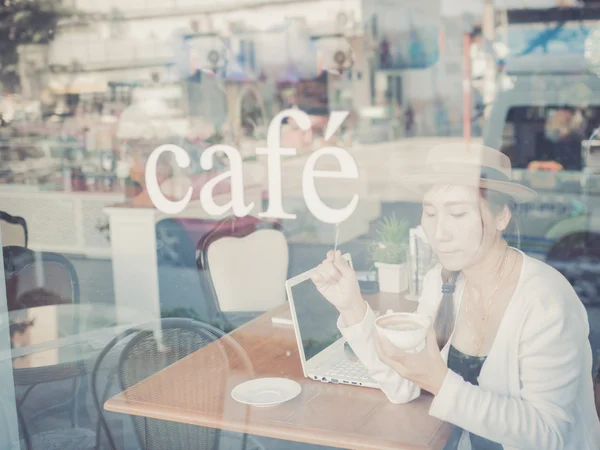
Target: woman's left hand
426 369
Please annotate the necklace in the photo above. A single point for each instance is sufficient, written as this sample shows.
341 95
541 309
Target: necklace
479 345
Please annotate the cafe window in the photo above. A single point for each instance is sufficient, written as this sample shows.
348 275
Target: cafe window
166 209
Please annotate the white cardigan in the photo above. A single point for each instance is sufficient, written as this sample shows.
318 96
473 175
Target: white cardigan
535 388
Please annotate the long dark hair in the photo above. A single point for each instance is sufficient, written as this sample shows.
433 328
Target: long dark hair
445 318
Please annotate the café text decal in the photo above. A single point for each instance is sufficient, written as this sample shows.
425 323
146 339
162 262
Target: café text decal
274 152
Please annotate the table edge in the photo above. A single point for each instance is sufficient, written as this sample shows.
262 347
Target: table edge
119 404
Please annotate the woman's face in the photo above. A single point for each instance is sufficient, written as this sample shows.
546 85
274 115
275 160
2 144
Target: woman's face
459 225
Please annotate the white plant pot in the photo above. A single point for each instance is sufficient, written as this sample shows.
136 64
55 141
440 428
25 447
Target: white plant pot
392 277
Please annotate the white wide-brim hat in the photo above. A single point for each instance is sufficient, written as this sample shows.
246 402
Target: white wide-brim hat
468 164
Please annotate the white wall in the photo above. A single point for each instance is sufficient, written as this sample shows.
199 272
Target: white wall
62 222
143 39
94 48
137 5
314 9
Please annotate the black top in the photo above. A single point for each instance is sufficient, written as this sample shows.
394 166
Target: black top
468 367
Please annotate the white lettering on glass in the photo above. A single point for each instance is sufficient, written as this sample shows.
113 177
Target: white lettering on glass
348 170
274 152
161 202
237 183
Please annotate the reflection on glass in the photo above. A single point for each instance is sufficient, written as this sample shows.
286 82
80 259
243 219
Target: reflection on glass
549 133
405 33
82 109
316 318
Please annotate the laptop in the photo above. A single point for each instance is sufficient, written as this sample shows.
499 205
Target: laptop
321 346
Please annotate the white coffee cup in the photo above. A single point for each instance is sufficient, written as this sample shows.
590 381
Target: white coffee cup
406 331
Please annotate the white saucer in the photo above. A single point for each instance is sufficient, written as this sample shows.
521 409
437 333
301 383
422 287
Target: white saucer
266 391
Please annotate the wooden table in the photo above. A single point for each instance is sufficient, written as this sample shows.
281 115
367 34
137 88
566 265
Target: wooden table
323 414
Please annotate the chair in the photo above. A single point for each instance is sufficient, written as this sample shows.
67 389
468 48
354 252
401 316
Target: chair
136 355
26 270
60 439
577 257
13 230
36 279
103 385
244 263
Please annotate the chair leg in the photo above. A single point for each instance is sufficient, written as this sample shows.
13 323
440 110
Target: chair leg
24 429
24 397
75 406
73 403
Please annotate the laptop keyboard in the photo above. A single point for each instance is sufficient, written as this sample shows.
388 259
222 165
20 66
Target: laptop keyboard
349 370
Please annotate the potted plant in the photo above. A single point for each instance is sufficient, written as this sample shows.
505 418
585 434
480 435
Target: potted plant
389 254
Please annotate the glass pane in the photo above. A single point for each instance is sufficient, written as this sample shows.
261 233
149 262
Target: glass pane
209 207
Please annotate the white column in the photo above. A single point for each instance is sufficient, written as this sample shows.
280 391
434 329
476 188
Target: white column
134 261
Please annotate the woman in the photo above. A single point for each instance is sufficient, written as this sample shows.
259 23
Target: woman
507 357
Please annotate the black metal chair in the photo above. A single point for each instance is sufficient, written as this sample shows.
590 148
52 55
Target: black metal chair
36 279
60 439
103 385
14 230
577 257
138 354
22 267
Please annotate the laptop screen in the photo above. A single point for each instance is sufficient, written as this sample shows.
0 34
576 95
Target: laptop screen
317 318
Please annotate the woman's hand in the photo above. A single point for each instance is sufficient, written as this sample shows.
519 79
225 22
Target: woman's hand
336 281
426 369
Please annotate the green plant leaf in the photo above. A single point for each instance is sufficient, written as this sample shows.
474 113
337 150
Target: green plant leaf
392 243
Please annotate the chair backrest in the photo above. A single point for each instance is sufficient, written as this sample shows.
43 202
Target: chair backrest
38 278
144 354
104 385
13 230
245 264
